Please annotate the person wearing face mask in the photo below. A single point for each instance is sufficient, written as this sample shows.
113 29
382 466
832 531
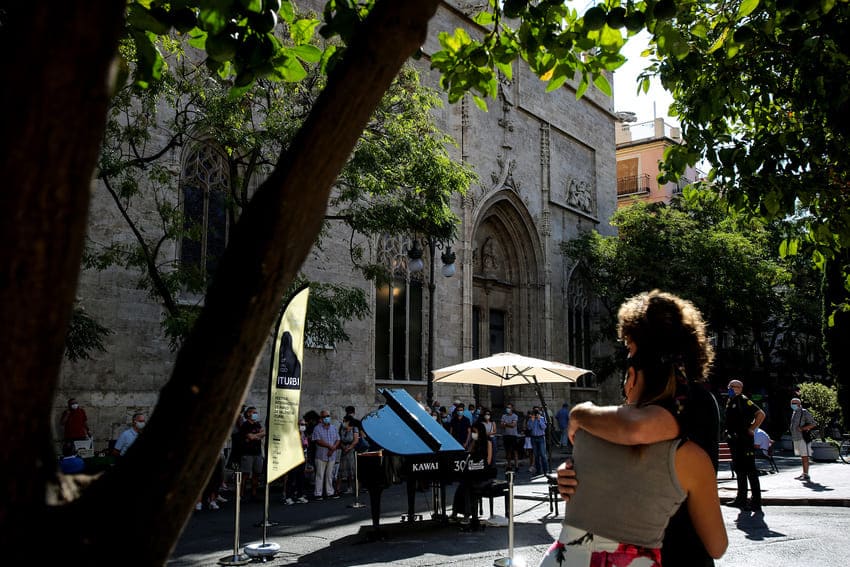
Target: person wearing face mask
743 417
129 436
75 423
509 423
327 442
802 424
252 434
480 457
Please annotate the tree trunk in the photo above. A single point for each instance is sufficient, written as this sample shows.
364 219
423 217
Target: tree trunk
137 510
54 93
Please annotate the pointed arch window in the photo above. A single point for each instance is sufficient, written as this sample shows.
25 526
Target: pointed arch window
398 316
204 184
579 339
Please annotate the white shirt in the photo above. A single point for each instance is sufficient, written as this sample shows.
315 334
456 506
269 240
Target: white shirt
761 439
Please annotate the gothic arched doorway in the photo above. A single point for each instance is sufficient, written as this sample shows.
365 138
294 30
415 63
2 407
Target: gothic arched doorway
507 299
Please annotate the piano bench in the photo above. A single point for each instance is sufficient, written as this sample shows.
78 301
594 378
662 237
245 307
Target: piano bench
491 489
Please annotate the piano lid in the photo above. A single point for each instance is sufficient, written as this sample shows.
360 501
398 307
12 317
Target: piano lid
403 427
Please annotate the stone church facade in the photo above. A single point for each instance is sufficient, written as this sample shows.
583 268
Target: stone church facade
547 171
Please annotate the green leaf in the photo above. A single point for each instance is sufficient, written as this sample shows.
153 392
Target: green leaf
746 8
602 84
141 18
302 31
788 247
287 12
255 6
483 18
308 53
480 102
582 87
556 83
505 68
291 70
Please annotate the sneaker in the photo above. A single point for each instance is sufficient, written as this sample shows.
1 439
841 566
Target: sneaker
317 499
736 504
335 495
532 470
302 500
199 506
221 499
802 477
288 501
213 505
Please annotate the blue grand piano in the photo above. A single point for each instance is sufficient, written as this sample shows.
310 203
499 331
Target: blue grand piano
407 444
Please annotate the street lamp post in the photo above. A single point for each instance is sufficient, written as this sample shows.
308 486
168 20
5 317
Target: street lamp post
415 265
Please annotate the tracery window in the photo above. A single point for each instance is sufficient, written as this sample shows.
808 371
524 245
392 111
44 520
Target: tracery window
204 184
398 316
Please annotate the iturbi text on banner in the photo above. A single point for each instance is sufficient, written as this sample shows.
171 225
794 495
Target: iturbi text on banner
283 449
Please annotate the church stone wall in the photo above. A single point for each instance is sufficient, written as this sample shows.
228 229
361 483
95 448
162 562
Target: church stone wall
556 154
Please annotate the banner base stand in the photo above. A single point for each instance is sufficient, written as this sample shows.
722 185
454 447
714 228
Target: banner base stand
262 551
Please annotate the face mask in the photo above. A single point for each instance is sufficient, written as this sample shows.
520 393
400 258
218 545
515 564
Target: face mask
793 407
486 417
326 420
302 428
474 436
510 411
75 406
140 425
731 392
255 416
446 419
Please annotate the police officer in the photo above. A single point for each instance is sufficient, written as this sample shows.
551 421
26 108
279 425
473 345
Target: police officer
743 416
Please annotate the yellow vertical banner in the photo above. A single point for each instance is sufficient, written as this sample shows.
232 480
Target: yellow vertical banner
283 449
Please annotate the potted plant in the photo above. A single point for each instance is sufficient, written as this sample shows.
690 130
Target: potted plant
825 451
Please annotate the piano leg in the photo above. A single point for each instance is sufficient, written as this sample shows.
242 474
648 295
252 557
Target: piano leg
375 505
411 500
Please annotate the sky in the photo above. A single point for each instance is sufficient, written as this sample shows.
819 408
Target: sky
625 86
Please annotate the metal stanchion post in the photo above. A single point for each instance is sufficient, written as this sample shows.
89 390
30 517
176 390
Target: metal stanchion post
357 503
510 561
266 549
237 558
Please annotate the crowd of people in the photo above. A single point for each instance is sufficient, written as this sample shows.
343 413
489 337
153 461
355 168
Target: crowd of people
663 439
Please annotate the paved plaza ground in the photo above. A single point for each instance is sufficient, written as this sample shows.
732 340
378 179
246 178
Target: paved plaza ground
798 519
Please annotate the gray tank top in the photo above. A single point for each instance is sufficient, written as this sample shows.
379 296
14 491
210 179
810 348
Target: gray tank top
626 494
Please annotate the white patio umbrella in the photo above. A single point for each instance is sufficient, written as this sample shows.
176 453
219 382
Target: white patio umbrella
509 369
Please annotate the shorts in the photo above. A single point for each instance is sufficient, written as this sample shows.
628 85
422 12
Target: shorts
509 441
251 465
802 449
577 548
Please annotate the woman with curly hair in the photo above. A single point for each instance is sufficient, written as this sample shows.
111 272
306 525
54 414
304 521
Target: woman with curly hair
655 440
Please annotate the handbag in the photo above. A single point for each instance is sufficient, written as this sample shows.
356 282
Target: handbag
807 435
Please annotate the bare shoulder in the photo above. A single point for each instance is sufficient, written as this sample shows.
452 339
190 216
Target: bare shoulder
693 465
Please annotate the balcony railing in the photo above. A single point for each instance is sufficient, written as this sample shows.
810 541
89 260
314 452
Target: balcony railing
633 184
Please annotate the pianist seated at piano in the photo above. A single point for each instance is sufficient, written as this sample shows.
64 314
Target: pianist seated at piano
480 470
